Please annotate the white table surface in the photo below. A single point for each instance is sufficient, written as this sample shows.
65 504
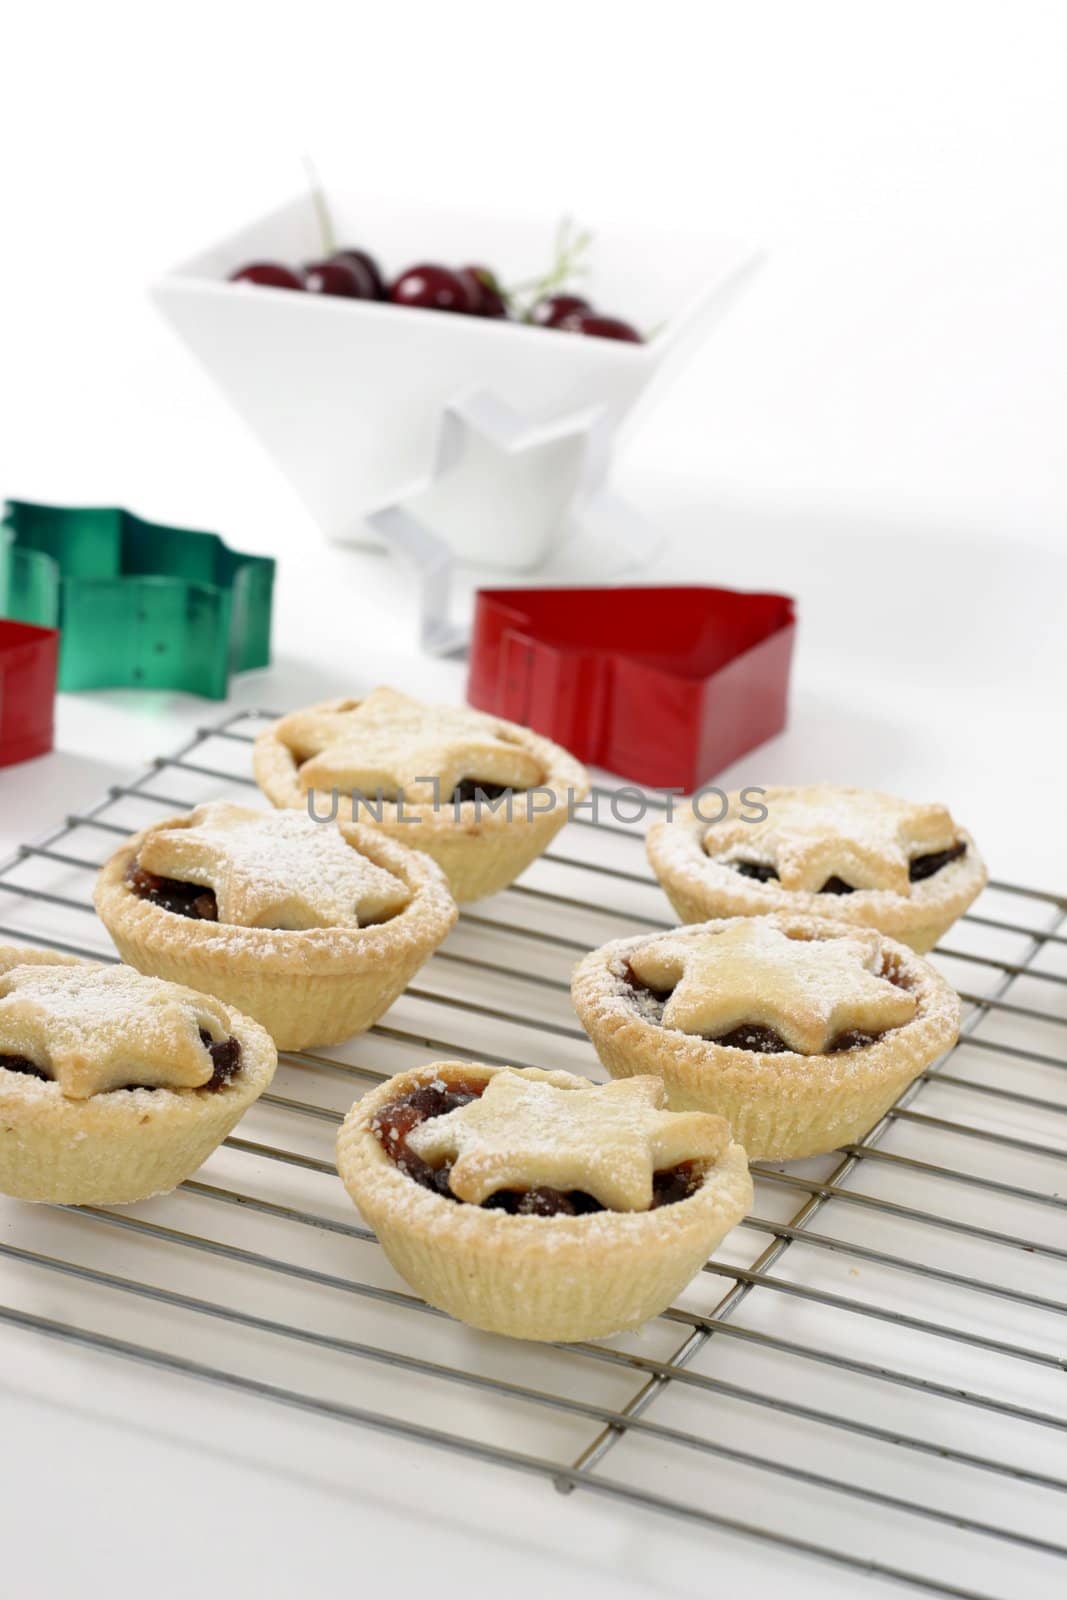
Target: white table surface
878 431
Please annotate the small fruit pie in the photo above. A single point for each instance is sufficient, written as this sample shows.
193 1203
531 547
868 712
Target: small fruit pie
799 1031
851 854
483 797
538 1204
113 1086
313 928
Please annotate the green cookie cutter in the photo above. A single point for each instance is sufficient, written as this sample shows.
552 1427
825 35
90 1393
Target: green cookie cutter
138 604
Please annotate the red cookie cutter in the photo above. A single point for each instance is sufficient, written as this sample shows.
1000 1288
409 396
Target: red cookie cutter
28 657
664 686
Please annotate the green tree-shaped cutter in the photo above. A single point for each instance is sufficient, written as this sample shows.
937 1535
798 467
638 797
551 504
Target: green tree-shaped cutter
138 604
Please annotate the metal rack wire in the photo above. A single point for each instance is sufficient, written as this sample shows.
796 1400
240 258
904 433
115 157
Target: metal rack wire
891 1315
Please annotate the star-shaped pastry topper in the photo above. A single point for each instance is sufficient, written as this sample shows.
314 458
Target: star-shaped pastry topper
748 971
391 744
273 869
864 838
92 1029
606 1140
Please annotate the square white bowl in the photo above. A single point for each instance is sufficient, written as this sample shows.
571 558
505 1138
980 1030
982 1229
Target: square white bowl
348 395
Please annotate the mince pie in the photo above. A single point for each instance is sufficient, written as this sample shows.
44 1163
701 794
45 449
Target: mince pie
313 928
483 797
799 1031
851 854
538 1204
113 1086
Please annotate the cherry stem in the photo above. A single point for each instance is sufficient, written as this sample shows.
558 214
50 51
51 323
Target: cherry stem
570 247
322 209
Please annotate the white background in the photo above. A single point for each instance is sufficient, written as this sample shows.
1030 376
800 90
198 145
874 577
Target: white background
879 428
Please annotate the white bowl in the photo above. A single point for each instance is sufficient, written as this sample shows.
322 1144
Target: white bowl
348 395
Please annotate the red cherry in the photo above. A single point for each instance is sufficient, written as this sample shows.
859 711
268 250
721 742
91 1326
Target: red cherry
472 289
430 286
336 278
269 274
550 312
600 327
484 291
368 268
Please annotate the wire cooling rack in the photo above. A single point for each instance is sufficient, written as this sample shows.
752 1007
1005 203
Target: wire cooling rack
870 1372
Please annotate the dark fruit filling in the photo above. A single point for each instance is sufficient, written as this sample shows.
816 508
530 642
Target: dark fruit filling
753 1036
30 1069
750 1035
647 1002
225 1057
394 1122
676 1183
543 1202
755 869
925 866
918 869
192 899
171 894
475 789
767 874
645 991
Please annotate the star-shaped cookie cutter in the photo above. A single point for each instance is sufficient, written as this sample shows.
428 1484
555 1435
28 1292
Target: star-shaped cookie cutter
496 468
138 604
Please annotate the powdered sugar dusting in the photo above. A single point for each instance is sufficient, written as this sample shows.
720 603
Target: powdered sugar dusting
93 1029
390 743
606 1140
810 835
277 869
749 972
